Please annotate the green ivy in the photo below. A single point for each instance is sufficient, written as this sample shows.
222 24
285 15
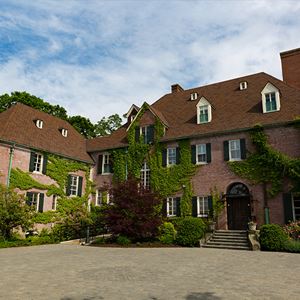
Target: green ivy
267 165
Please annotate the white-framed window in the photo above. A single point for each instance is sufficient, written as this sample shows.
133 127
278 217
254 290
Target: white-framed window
171 156
171 207
145 133
99 198
243 85
145 175
194 96
204 111
74 183
35 200
106 164
39 124
234 150
37 163
64 132
202 206
132 117
270 98
296 207
54 202
201 155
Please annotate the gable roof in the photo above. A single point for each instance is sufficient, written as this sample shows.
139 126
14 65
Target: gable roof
234 109
18 127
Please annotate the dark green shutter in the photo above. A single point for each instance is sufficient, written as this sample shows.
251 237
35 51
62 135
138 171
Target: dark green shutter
99 166
208 152
243 148
164 208
226 150
194 207
137 134
150 133
29 198
178 213
164 157
45 161
41 202
177 156
193 150
288 207
210 206
31 163
68 187
79 192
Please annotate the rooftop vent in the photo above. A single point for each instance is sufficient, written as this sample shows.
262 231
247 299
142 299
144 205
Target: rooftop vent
39 124
243 85
64 132
194 96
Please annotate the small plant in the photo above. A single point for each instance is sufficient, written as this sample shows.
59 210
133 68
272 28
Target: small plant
123 240
292 246
272 237
167 233
293 230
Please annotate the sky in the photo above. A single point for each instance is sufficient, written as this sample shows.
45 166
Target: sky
97 58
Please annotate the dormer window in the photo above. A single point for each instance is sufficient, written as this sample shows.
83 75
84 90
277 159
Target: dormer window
39 124
132 118
243 85
270 98
64 132
194 96
204 114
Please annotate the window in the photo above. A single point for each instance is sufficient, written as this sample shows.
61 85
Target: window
145 176
132 118
296 207
146 132
234 150
172 207
38 163
194 96
36 200
74 185
99 198
201 154
243 85
106 164
204 111
39 124
203 114
171 156
64 132
54 202
270 98
202 207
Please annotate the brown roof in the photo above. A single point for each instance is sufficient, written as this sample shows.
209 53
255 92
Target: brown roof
232 109
18 126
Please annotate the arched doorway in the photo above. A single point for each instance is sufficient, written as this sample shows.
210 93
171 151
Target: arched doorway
238 206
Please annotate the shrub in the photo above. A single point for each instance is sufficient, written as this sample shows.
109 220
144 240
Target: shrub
167 233
123 240
189 231
292 246
272 237
293 230
99 241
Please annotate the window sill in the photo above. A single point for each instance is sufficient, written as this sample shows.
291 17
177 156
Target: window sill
271 111
37 172
202 163
236 159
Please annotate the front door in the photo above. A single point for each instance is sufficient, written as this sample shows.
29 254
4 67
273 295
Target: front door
238 212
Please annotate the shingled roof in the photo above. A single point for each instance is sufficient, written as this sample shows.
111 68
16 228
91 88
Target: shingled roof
233 109
18 127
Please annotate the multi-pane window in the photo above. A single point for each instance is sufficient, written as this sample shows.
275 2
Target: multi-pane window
105 164
296 207
99 198
74 185
234 150
203 110
144 132
35 200
202 206
145 175
54 201
171 207
38 162
271 102
201 154
171 156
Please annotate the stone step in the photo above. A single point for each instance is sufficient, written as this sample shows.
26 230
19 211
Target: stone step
223 236
226 247
231 231
213 242
229 241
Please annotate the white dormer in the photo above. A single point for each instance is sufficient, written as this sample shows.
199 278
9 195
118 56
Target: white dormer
194 96
64 132
270 98
243 85
204 114
39 123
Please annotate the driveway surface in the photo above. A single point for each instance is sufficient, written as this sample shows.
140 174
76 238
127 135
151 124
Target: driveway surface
69 272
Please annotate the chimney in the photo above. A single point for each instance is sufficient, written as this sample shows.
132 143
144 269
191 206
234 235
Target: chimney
290 62
176 88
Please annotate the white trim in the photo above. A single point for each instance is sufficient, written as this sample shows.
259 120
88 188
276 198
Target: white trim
64 132
104 155
201 162
169 149
41 163
39 123
174 207
37 200
201 200
77 185
268 89
144 178
194 96
54 199
243 85
202 103
239 148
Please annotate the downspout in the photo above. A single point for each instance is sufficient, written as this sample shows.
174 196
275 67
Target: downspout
266 205
11 153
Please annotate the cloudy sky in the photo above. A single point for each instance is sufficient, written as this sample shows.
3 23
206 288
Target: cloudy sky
96 58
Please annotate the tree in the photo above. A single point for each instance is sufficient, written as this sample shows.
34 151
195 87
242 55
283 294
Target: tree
107 125
14 212
83 126
135 213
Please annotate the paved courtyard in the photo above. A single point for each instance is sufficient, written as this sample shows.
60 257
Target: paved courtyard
69 272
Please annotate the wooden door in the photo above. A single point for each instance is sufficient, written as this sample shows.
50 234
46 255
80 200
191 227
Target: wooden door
238 212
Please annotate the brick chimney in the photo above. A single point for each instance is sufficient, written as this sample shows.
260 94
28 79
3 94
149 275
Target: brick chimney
290 62
176 88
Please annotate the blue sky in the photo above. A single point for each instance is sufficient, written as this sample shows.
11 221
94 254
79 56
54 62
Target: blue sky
96 58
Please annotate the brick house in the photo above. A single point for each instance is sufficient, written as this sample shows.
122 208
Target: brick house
216 121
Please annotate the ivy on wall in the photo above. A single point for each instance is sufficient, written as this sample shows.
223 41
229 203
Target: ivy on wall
267 165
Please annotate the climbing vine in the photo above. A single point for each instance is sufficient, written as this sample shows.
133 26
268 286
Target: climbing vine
267 165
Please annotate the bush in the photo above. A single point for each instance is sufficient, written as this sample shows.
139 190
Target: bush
189 231
99 241
292 246
272 237
167 233
293 230
123 240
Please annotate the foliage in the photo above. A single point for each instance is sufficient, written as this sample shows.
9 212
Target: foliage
45 217
272 237
123 240
167 233
217 204
99 241
292 246
267 165
83 125
293 230
97 216
189 231
107 125
134 212
14 212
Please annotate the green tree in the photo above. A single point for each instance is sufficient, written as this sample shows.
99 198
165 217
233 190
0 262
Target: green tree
13 212
107 125
83 126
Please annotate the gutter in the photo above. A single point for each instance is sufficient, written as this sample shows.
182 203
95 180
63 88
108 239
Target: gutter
11 154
